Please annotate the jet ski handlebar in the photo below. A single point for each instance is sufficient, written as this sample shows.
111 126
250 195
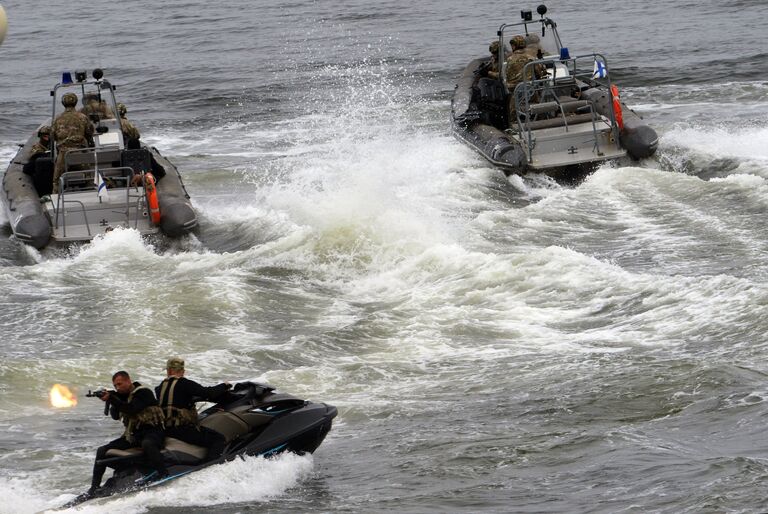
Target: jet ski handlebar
257 388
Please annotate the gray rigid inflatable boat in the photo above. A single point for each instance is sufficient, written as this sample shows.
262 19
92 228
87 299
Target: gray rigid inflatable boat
79 212
569 119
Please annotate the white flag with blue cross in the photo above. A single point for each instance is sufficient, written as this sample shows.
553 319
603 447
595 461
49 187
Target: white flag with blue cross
600 71
101 186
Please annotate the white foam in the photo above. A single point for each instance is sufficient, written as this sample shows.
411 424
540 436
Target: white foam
20 495
742 142
249 480
4 220
104 256
7 153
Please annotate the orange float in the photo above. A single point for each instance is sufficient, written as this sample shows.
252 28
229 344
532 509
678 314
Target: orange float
617 106
154 204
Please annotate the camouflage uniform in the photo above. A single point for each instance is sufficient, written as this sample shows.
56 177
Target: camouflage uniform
93 106
493 64
43 145
514 74
42 180
71 129
515 64
533 47
130 132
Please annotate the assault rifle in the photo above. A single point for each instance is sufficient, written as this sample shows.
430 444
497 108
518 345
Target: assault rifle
482 71
99 393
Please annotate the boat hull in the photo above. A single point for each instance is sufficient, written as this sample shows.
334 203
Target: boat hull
35 223
478 118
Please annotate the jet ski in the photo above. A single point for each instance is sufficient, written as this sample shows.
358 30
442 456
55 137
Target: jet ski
255 419
117 182
568 116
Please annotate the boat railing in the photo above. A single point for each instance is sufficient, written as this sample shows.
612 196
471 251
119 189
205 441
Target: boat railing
549 38
84 180
91 156
107 129
557 97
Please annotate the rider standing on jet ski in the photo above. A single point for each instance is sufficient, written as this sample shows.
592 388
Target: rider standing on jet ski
137 407
177 396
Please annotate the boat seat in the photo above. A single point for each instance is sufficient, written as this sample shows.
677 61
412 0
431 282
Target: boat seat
183 453
87 157
130 452
559 122
77 181
227 424
138 160
568 106
491 92
178 450
43 176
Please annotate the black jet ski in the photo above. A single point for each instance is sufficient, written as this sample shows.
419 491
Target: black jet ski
255 420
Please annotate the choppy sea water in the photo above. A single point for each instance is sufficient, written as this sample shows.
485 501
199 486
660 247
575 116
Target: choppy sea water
493 344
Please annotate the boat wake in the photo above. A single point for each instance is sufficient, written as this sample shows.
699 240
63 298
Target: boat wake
248 480
716 151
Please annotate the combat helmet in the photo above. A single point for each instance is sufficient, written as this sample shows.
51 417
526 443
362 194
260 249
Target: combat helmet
175 364
517 42
494 47
69 100
45 130
122 109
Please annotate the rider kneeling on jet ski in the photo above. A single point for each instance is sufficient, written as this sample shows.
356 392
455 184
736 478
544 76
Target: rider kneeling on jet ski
137 407
177 396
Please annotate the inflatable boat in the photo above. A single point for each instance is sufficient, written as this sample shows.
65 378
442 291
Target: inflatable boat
113 182
564 115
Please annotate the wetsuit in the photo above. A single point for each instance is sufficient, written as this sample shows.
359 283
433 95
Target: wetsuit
138 411
177 397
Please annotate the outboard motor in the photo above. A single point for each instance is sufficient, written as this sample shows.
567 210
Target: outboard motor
640 141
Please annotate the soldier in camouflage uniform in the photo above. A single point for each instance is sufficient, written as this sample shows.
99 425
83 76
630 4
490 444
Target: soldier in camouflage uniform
43 144
533 46
514 74
71 129
39 149
493 64
130 132
93 107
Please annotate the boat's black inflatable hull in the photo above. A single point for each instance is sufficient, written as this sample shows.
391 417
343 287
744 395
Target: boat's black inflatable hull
25 212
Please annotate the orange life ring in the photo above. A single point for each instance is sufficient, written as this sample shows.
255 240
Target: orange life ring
617 107
154 205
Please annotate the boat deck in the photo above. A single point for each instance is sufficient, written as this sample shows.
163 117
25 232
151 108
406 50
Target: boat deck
572 145
84 215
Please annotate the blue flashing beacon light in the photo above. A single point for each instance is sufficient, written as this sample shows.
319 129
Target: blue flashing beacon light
66 78
564 55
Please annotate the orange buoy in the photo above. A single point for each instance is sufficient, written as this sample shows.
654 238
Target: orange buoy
617 107
154 205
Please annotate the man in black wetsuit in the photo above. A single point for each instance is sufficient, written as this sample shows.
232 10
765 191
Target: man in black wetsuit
177 396
137 407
